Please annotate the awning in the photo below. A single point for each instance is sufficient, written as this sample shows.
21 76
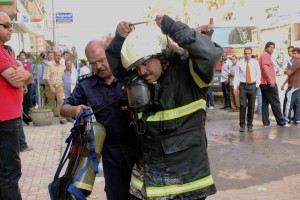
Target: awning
21 27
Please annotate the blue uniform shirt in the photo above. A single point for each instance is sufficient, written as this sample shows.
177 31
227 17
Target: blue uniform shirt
120 141
96 93
67 84
120 145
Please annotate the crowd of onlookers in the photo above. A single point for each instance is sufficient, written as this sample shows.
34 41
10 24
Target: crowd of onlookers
57 76
267 90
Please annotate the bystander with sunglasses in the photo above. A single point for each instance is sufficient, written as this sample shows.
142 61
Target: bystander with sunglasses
12 79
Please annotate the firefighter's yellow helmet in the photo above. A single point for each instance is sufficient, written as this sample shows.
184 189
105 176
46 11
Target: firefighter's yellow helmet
141 44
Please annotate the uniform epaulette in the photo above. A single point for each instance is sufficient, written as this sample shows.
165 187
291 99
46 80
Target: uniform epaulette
85 76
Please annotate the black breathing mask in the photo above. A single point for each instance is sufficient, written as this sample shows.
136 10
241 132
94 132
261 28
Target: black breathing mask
138 92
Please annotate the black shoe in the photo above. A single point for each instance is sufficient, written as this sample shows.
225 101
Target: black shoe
225 107
284 125
250 129
242 129
63 122
28 148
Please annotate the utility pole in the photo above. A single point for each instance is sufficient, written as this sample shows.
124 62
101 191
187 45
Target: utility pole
54 18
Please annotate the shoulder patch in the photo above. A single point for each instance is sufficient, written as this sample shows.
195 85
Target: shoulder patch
85 76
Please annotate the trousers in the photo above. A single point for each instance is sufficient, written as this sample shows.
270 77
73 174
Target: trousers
210 98
234 99
59 95
226 94
22 138
247 100
290 99
270 97
117 174
10 162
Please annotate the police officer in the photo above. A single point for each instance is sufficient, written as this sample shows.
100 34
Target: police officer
173 163
95 91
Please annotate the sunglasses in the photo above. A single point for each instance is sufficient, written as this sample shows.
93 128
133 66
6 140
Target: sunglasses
7 25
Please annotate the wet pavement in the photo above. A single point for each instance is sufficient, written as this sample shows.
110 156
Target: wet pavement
262 165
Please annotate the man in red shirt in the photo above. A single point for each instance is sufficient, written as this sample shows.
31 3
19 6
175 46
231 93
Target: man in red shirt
269 89
12 79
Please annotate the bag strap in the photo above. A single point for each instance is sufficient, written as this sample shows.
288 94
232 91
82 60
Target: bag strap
91 158
68 141
93 154
74 190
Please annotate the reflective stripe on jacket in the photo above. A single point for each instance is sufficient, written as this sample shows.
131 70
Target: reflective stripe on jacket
176 112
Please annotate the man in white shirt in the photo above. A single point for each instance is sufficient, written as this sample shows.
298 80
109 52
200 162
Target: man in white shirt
65 56
225 62
234 98
247 76
85 70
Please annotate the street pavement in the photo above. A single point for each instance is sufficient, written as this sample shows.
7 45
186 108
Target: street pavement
263 165
39 165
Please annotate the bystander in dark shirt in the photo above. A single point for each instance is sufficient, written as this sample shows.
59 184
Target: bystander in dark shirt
96 93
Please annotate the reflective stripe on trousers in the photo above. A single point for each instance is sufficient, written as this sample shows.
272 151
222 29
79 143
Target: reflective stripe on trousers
173 189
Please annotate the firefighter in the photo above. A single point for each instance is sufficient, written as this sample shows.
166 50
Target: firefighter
173 161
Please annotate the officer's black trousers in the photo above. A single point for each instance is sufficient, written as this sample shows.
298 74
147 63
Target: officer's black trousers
117 180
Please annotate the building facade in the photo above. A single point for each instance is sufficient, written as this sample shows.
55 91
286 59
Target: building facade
32 24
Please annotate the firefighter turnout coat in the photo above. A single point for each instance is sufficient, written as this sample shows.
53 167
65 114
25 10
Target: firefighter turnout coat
174 162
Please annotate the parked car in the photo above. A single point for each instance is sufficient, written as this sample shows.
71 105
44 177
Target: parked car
216 85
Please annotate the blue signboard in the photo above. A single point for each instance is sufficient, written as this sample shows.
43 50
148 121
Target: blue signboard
64 18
